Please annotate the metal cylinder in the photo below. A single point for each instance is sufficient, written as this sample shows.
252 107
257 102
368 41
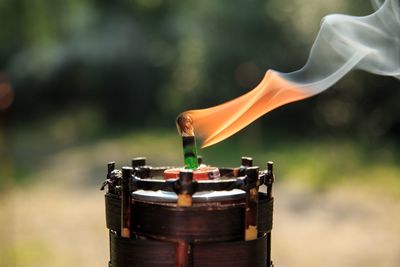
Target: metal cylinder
186 222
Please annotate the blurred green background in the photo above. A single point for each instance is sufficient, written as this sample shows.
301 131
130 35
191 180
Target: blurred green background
83 82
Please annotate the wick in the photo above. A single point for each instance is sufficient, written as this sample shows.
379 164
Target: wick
184 123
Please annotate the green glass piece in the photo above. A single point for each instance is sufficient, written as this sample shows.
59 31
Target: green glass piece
190 152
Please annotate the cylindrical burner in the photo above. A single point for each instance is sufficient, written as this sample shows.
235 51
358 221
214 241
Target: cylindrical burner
162 216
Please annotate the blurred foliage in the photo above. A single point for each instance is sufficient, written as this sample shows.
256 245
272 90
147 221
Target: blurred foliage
317 164
141 62
81 70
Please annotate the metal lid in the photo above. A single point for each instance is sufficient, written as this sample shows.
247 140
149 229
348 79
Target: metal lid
208 196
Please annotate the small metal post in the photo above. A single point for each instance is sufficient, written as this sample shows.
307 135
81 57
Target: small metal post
251 203
138 161
269 180
247 161
126 202
110 168
111 189
184 188
199 160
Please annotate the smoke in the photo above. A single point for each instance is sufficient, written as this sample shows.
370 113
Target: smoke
370 43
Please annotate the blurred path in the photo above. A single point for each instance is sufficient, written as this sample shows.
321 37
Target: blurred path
345 227
58 226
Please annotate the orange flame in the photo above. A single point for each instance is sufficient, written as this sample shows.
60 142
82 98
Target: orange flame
218 123
369 43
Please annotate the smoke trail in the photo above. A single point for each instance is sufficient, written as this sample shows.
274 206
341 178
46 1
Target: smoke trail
370 43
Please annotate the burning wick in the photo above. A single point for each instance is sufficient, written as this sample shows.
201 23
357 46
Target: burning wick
184 123
370 43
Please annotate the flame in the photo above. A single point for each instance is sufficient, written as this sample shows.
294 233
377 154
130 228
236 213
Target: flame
219 122
370 43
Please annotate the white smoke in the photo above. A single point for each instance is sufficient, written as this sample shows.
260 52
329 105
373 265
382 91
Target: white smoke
370 43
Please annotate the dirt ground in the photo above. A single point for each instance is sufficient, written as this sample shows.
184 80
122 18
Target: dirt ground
50 226
345 227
